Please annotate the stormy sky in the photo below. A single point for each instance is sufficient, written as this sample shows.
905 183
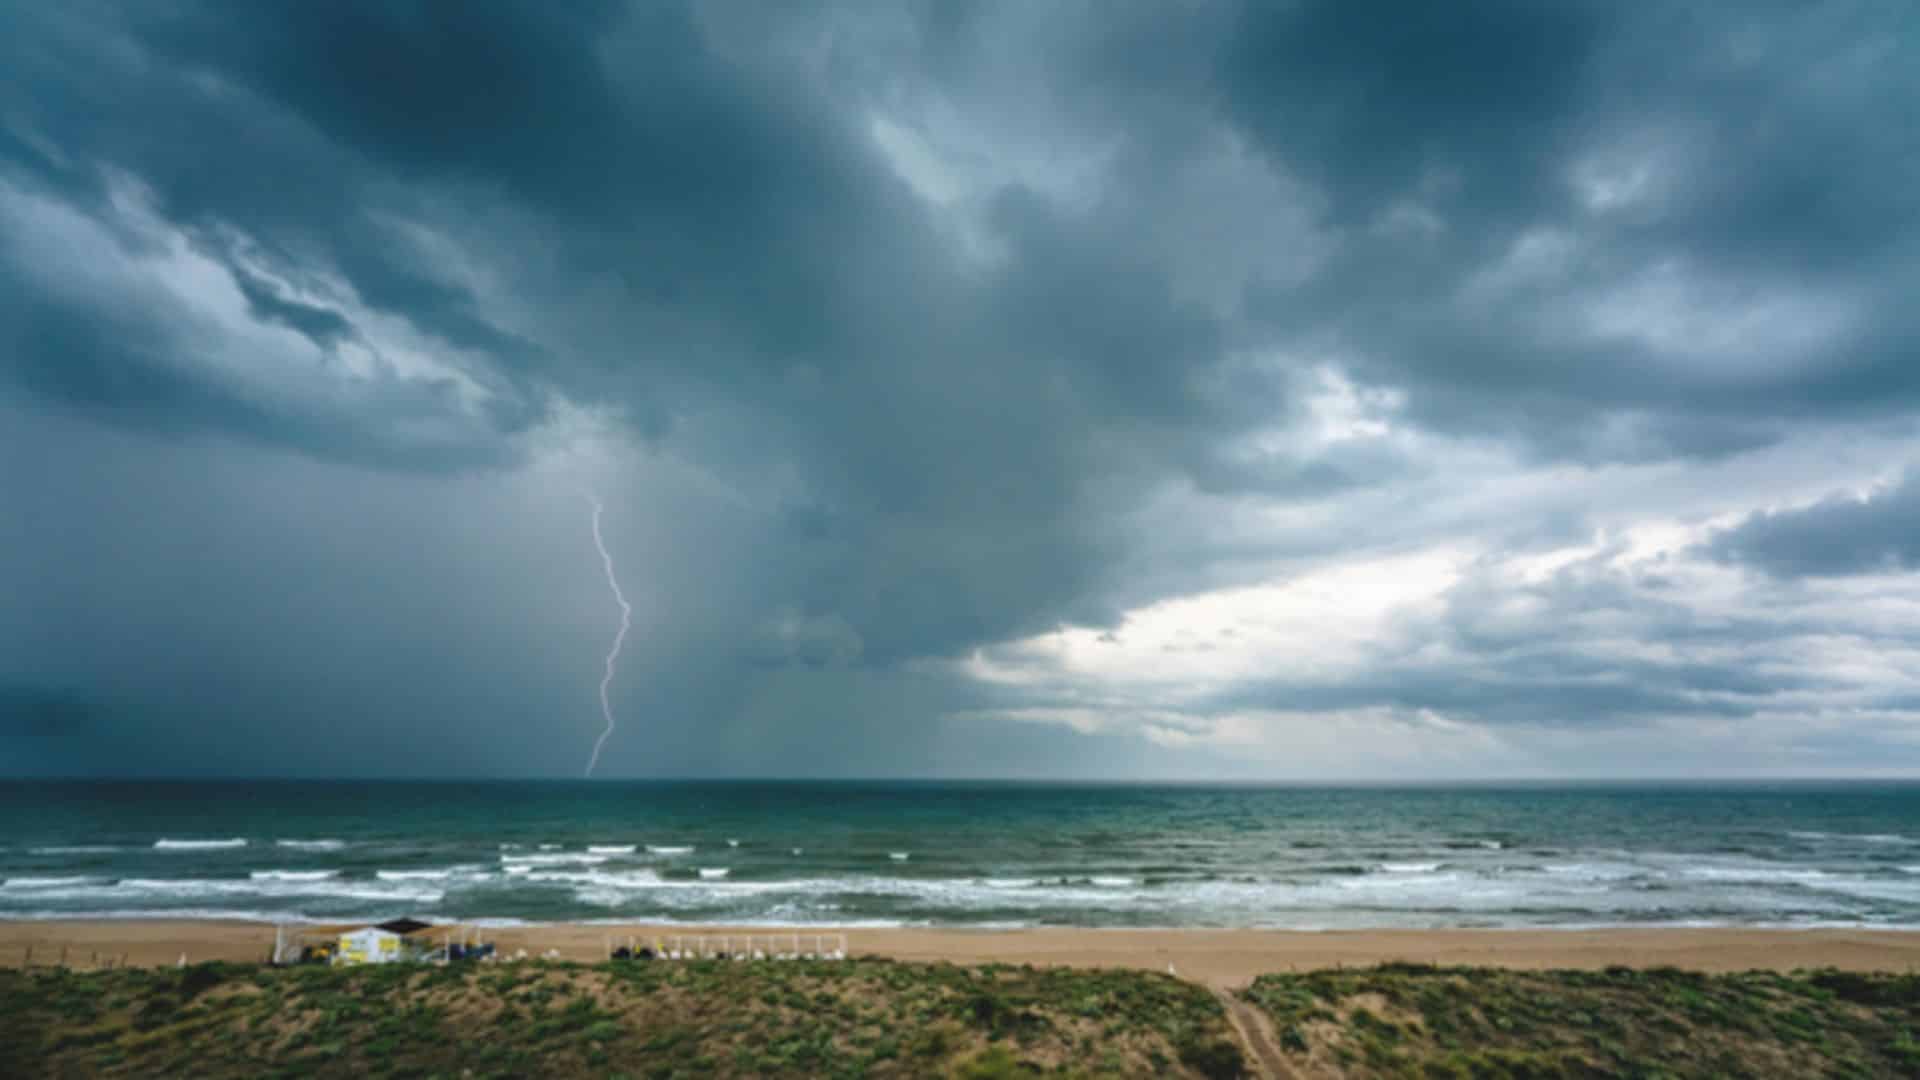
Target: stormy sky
1170 390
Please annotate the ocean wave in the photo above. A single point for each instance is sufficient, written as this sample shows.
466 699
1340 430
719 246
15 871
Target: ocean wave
312 845
1409 867
733 843
441 873
713 873
1596 871
549 847
292 875
49 882
190 888
898 856
76 849
607 879
669 849
1861 838
174 891
554 859
198 845
1774 874
612 849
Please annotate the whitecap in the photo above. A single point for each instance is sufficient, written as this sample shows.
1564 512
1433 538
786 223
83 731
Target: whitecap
549 847
1111 882
611 849
1754 873
733 843
312 845
436 874
897 856
75 849
198 845
669 849
292 875
713 873
557 858
48 882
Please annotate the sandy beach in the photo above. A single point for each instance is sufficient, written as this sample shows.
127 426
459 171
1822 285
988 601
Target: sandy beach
1217 957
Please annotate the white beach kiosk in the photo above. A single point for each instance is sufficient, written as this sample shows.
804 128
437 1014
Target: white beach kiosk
382 943
368 945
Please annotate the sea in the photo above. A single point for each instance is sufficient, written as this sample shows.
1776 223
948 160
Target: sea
967 854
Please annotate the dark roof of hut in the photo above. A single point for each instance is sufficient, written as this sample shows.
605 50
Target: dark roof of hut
402 926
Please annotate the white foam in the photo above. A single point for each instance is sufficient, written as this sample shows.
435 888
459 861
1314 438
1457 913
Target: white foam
437 874
669 849
733 843
607 879
206 889
75 849
897 856
1009 883
553 859
1409 867
549 847
293 875
312 845
796 851
1759 874
713 873
612 849
1863 838
1112 882
1595 871
47 882
198 845
1492 845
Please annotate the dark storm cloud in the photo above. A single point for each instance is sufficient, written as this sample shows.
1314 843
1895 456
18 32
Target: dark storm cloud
956 295
1839 535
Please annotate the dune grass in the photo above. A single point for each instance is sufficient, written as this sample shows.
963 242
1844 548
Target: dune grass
1416 1021
864 1018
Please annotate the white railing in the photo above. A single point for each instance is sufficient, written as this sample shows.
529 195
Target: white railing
745 946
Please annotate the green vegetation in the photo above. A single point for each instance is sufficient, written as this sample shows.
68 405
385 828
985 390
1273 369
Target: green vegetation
864 1018
1413 1021
880 1018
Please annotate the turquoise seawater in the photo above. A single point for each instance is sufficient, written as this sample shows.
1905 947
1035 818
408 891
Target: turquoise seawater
968 853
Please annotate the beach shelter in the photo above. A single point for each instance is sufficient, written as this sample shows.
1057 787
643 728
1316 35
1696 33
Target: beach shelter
403 926
368 945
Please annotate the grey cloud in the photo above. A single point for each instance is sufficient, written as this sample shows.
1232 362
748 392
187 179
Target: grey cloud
1837 536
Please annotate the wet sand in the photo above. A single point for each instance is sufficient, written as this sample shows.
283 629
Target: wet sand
1215 957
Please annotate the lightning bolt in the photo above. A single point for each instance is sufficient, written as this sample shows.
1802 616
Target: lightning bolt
619 639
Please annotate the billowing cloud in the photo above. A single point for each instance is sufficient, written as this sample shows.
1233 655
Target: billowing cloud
1875 532
1215 390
